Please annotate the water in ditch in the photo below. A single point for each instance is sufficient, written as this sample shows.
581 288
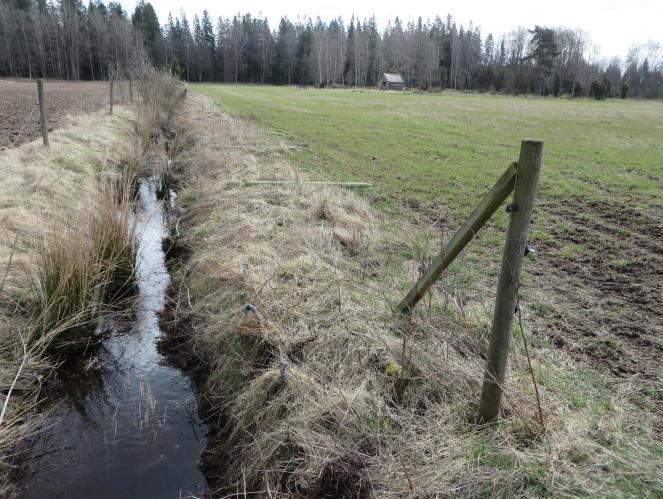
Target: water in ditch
125 424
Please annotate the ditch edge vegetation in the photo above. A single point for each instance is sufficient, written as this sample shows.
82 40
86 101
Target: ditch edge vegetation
282 308
71 269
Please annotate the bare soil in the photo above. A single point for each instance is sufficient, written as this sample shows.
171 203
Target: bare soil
609 293
19 108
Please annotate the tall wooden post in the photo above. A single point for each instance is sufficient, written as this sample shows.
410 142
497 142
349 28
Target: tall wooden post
42 112
111 96
527 179
131 92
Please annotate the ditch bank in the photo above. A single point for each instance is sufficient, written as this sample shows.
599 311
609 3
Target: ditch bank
124 421
313 387
93 402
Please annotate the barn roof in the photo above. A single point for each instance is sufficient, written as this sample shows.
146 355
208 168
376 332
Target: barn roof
393 78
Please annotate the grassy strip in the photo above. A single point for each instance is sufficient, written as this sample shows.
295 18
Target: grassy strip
320 390
440 150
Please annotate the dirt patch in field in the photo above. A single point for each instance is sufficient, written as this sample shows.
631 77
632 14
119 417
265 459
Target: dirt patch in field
604 269
19 109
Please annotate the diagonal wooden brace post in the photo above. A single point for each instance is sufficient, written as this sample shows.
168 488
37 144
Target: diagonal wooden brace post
527 180
461 238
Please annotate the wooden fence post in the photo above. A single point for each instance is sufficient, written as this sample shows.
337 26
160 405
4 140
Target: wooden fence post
42 112
461 238
527 179
131 92
111 96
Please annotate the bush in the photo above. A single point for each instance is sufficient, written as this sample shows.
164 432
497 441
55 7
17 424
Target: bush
160 94
623 89
597 90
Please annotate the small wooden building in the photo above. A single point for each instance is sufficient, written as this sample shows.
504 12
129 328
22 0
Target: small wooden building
391 81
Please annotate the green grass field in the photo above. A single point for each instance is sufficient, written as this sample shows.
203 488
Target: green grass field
444 150
431 157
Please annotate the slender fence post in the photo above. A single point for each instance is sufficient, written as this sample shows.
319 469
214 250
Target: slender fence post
131 92
111 96
42 112
527 179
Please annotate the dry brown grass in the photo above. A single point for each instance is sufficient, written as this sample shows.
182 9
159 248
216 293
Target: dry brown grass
68 214
323 391
81 265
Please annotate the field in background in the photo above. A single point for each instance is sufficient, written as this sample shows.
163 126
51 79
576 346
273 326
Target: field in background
19 109
439 150
595 288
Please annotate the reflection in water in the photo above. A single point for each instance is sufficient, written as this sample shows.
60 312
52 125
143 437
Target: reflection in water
127 426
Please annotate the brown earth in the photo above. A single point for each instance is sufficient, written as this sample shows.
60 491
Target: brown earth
19 109
608 291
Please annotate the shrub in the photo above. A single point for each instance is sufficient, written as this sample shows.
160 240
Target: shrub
160 94
623 89
597 90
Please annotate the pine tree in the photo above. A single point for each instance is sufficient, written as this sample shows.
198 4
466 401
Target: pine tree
350 49
543 51
146 22
208 47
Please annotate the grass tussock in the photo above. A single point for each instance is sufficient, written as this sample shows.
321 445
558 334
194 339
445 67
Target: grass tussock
320 390
82 264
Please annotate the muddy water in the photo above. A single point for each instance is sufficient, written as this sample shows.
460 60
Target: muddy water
126 425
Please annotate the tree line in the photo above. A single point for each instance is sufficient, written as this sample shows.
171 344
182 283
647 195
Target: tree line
67 40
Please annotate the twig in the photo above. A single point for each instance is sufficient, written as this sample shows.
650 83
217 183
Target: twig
529 362
407 475
11 256
295 182
18 374
516 288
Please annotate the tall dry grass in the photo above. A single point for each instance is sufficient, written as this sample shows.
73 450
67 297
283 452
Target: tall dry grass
82 264
319 390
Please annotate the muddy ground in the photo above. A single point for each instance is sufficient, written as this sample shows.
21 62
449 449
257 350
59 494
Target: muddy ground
603 269
19 110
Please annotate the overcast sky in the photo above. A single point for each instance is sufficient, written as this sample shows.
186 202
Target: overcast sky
614 25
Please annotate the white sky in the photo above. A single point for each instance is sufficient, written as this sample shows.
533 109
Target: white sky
613 25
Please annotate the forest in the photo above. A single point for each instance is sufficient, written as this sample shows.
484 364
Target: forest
67 40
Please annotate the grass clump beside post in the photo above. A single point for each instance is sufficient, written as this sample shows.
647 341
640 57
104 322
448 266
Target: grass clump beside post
320 390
